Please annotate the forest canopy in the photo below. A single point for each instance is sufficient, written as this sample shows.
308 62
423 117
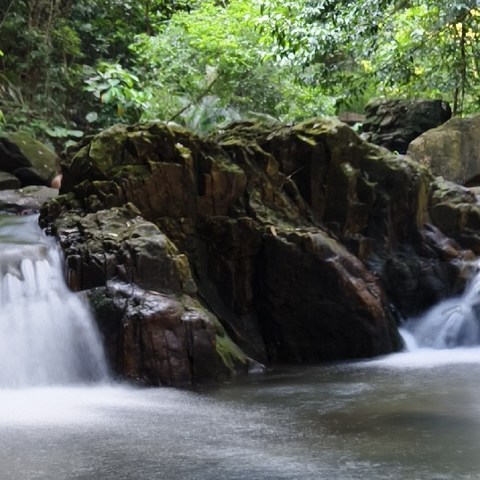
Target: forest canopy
68 68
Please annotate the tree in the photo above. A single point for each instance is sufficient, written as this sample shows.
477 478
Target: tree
392 47
51 46
221 41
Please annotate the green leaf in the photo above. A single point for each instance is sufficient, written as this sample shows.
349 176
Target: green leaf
91 117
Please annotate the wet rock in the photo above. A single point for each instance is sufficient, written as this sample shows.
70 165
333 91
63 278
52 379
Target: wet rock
394 123
164 170
350 186
318 302
8 181
294 237
162 339
43 159
455 210
144 298
118 242
25 200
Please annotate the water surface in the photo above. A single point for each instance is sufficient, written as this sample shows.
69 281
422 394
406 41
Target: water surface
409 416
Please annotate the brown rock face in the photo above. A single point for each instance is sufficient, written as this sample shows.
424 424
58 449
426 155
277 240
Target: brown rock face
318 302
264 233
451 150
157 338
143 296
455 210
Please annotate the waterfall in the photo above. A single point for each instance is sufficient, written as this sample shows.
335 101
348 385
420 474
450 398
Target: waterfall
47 334
454 322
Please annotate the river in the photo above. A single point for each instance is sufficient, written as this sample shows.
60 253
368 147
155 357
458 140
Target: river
408 416
413 415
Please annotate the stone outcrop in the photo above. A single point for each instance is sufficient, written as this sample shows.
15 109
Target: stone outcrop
455 211
285 243
143 296
394 123
452 150
9 181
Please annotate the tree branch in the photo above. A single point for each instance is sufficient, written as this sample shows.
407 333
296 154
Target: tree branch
196 100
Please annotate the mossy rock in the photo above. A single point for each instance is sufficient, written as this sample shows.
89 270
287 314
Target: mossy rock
42 158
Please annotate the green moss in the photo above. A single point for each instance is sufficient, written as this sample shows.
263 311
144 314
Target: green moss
41 157
230 353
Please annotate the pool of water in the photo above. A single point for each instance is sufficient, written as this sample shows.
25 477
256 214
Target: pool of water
408 416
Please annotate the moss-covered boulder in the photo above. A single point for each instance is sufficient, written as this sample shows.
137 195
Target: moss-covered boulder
290 236
43 159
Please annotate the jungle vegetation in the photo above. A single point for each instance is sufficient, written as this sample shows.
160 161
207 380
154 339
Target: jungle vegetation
69 68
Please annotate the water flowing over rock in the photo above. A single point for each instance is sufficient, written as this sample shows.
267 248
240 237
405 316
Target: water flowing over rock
47 334
286 243
141 290
452 323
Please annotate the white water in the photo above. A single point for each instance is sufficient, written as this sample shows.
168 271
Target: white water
47 336
452 323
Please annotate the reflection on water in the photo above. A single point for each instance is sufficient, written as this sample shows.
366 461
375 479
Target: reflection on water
408 416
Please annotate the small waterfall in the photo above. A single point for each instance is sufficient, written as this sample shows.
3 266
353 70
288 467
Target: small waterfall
454 322
47 335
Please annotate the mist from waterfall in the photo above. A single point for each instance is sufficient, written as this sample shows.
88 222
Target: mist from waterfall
47 334
454 322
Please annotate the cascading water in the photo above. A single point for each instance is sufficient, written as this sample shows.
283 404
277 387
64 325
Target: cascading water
454 322
47 336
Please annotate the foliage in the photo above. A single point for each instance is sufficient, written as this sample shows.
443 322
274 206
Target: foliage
117 91
409 48
107 28
180 60
46 46
208 113
434 53
70 67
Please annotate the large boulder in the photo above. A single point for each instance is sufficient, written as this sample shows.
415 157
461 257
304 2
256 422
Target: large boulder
451 150
253 232
394 123
144 297
303 241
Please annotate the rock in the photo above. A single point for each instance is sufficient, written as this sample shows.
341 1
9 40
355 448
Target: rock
305 242
455 210
318 302
415 278
394 123
158 168
162 339
350 186
33 169
452 150
372 201
118 243
144 298
42 158
25 200
8 181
